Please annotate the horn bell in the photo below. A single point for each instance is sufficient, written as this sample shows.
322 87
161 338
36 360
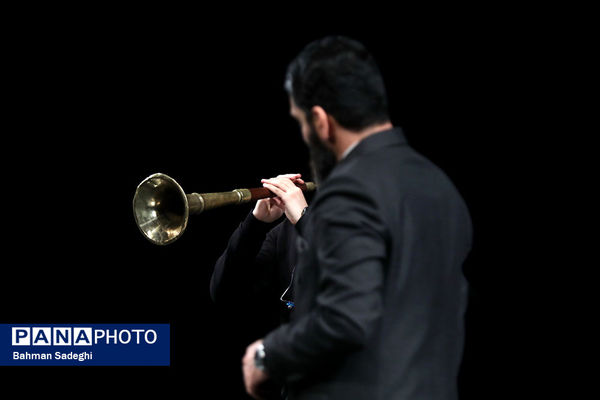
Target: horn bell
160 208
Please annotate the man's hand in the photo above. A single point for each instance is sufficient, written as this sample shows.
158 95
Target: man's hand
253 377
267 210
289 196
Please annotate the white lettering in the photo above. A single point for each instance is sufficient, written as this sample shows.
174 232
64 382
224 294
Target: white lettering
121 336
113 337
137 335
154 335
31 356
74 356
98 334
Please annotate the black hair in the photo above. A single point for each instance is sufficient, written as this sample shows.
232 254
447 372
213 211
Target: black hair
340 75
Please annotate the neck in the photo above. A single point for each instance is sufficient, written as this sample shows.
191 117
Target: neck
348 138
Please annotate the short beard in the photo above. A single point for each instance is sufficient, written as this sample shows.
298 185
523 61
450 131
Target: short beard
322 160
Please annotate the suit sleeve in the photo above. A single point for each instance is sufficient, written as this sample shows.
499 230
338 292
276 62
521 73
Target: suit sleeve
350 245
247 263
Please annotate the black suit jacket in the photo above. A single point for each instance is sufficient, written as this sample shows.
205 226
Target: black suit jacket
379 289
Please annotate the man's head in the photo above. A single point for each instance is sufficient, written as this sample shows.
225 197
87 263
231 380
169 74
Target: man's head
334 86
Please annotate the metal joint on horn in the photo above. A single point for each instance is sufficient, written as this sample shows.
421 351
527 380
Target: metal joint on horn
244 195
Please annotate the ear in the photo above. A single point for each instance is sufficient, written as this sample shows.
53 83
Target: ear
321 123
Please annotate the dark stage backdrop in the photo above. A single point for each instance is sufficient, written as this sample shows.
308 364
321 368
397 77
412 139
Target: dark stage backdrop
97 104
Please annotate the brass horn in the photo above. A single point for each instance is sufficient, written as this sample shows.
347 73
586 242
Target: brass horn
161 208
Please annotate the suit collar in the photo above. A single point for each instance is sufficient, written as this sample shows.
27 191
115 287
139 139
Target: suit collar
389 137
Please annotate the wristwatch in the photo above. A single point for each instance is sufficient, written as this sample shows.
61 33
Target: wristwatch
304 211
259 357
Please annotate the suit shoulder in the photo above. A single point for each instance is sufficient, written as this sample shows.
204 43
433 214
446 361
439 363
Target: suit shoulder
341 182
343 193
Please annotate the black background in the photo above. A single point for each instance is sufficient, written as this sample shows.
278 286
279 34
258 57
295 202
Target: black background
97 100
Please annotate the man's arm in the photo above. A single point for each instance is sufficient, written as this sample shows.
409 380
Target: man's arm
249 261
250 248
350 241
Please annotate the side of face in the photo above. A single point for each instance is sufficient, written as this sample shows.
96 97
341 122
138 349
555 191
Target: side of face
300 116
316 136
320 123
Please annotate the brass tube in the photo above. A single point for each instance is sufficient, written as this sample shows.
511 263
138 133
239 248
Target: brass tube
161 208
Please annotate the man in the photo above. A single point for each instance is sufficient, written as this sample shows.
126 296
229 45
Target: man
258 263
379 290
260 255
